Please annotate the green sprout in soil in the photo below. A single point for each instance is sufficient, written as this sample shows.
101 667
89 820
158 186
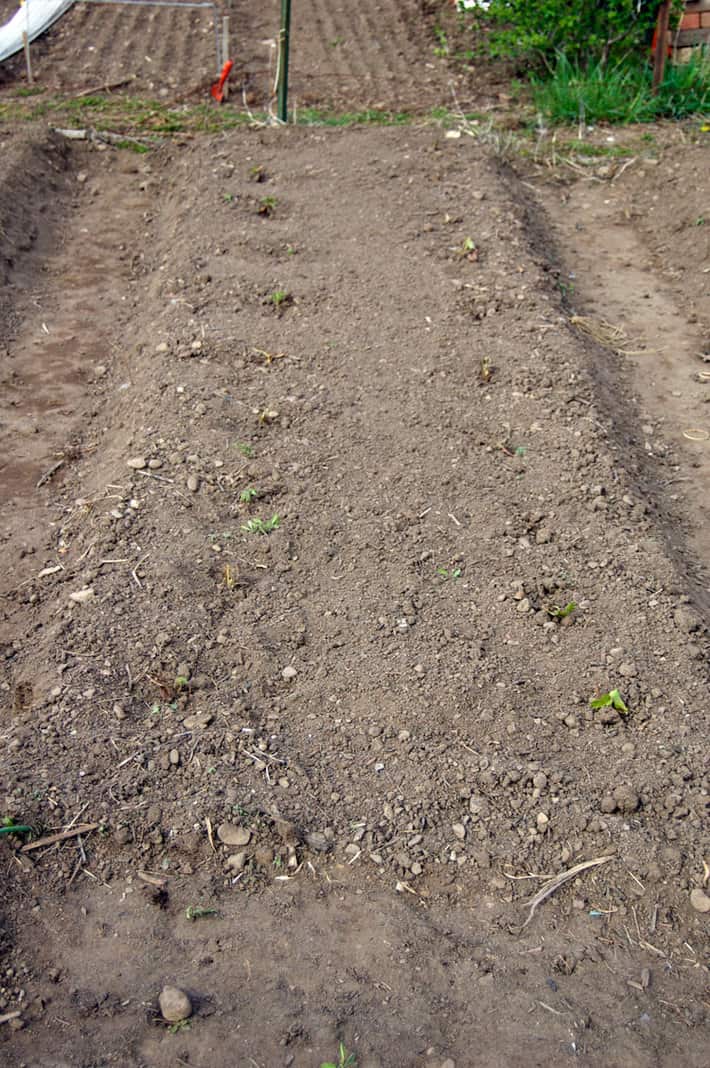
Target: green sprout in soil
228 198
467 249
441 49
197 912
280 298
345 1059
612 699
248 495
245 449
179 1026
449 573
262 526
267 206
556 612
180 683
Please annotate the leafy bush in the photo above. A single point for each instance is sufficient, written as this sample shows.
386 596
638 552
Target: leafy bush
586 31
621 92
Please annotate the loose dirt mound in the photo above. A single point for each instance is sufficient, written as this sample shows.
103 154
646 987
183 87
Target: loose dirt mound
349 338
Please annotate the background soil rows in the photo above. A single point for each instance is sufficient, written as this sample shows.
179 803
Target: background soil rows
352 56
415 410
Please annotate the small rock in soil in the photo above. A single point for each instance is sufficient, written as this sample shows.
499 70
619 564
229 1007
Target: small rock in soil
232 835
626 799
175 1004
236 861
82 596
317 841
136 462
289 672
193 483
198 721
699 900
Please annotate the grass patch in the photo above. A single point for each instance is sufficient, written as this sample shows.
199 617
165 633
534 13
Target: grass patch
622 93
368 117
157 120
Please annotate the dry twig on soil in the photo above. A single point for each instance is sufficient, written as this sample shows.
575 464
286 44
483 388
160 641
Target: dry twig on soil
555 883
61 836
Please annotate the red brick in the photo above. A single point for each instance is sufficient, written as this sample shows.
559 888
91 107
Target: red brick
690 21
705 20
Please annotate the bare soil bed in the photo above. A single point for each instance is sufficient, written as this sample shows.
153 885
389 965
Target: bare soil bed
303 466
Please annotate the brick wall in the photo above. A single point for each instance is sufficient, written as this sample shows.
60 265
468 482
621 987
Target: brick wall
694 29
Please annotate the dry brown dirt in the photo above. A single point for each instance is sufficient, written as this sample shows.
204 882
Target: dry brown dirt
370 328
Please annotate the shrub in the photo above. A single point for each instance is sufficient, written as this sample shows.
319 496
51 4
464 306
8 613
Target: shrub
587 32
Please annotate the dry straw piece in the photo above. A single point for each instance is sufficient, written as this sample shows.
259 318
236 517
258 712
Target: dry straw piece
557 881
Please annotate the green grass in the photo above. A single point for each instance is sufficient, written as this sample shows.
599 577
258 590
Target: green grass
368 117
622 93
154 120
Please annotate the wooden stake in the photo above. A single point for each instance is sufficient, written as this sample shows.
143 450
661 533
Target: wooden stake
659 60
26 45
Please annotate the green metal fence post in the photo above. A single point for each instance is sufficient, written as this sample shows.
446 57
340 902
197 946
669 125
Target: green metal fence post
283 59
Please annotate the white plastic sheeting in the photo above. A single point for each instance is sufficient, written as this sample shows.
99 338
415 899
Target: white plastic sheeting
33 18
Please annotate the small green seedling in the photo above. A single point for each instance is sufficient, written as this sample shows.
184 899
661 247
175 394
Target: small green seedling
248 495
262 526
441 49
467 249
345 1059
267 206
280 298
180 683
449 573
228 198
556 612
179 1026
197 912
244 449
613 699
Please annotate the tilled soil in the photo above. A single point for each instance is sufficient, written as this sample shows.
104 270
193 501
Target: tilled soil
306 457
356 338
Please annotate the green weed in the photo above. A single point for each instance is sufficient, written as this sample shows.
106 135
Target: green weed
267 206
621 93
556 612
613 699
262 526
280 299
178 1026
245 449
441 48
345 1059
197 912
248 495
449 573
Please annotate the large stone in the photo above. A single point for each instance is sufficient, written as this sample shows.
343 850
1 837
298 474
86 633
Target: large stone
232 835
175 1004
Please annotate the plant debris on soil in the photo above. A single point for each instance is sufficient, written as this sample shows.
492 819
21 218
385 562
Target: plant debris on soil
310 607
